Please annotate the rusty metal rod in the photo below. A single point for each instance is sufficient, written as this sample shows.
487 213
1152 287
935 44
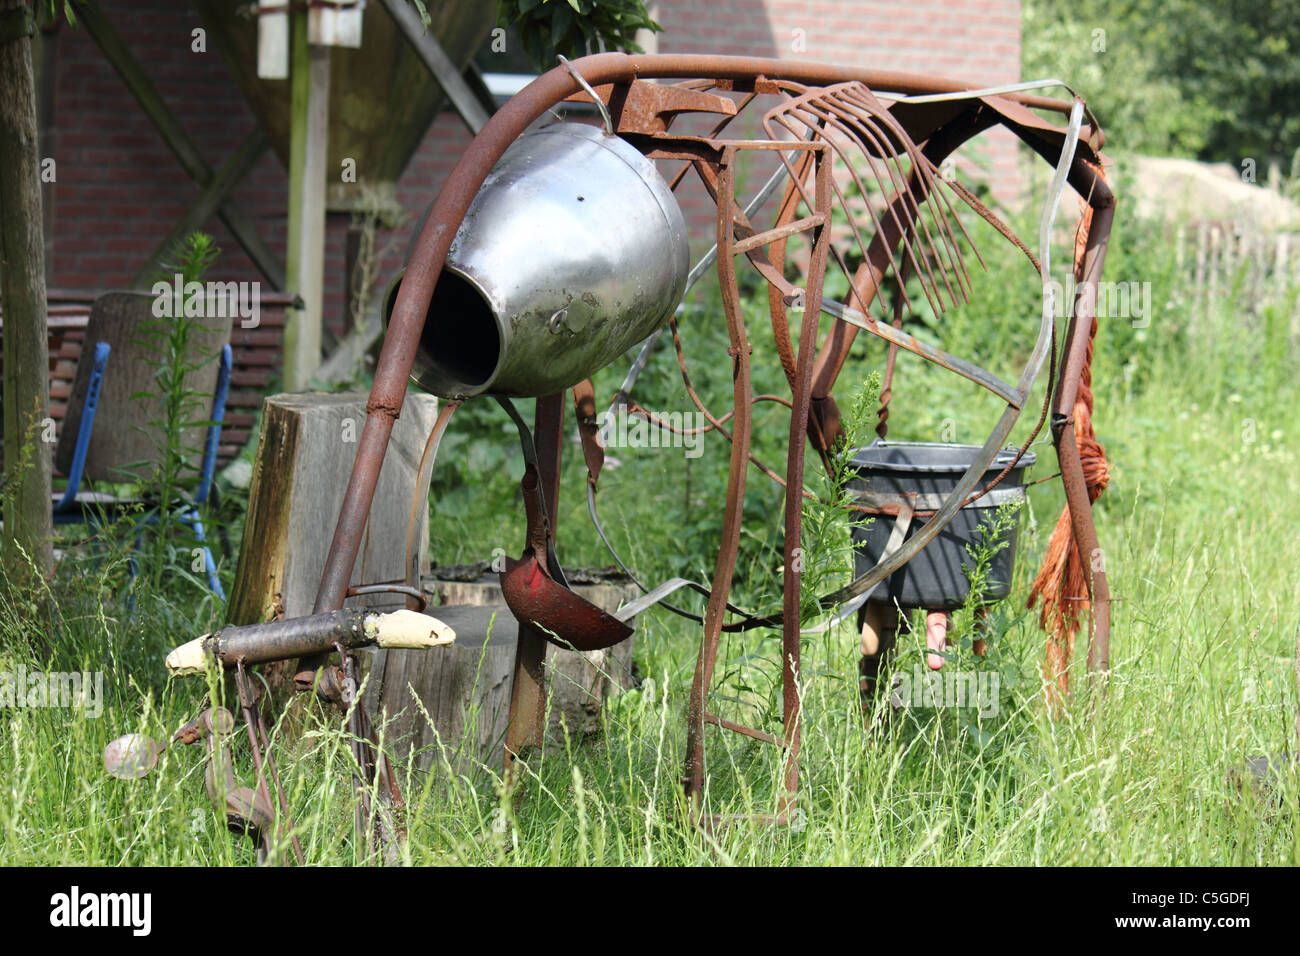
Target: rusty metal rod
416 292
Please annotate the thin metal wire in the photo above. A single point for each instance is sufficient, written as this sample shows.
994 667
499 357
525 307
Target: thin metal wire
600 104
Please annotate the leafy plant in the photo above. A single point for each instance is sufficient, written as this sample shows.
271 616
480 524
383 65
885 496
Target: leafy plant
50 11
828 517
575 27
173 357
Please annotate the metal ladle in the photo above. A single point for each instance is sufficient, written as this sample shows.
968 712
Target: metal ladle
534 586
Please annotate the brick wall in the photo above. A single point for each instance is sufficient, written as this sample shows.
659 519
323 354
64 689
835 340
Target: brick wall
922 36
119 189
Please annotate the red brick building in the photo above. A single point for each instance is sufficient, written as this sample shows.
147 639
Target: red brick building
118 189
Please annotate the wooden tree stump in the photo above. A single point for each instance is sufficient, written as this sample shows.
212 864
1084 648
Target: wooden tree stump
304 458
465 689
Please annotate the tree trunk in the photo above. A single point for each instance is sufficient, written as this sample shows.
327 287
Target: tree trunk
22 293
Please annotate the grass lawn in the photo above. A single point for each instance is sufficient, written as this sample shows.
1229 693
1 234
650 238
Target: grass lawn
1199 532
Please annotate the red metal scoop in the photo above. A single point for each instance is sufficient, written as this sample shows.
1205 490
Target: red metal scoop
533 595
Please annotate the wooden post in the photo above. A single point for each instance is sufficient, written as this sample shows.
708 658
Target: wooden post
308 141
22 290
304 457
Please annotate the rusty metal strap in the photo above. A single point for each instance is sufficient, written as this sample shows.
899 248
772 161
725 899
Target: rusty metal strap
882 503
529 450
968 370
584 409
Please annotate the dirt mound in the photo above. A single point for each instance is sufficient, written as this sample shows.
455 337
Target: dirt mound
1184 188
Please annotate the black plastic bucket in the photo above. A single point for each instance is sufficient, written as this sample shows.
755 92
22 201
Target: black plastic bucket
934 578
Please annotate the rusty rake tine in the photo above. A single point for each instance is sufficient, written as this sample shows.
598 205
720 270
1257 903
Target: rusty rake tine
853 100
845 119
894 263
966 196
921 165
857 233
904 198
904 191
904 231
787 108
970 240
791 172
839 119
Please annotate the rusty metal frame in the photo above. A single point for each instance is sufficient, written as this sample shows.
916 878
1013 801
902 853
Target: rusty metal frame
811 370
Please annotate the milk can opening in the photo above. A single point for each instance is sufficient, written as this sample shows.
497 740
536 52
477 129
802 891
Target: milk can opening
460 347
461 341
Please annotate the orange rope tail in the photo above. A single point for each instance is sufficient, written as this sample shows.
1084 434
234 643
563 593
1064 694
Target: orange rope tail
1062 586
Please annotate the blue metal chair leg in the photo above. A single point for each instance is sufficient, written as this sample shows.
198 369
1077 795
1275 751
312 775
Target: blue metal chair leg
84 430
208 468
209 564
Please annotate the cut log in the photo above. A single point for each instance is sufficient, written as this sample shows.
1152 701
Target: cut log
465 689
577 684
304 458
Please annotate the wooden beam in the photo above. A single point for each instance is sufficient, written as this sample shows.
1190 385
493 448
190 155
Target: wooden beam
308 144
345 358
439 63
235 168
473 77
27 526
178 141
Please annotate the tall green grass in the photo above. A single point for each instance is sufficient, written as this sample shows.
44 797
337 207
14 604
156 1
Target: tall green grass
1198 528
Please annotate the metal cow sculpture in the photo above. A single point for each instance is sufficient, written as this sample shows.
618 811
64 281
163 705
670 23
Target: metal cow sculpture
551 251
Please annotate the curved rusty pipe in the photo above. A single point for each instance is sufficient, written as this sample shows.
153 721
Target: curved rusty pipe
416 292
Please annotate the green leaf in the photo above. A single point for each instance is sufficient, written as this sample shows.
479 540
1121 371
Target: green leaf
561 21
